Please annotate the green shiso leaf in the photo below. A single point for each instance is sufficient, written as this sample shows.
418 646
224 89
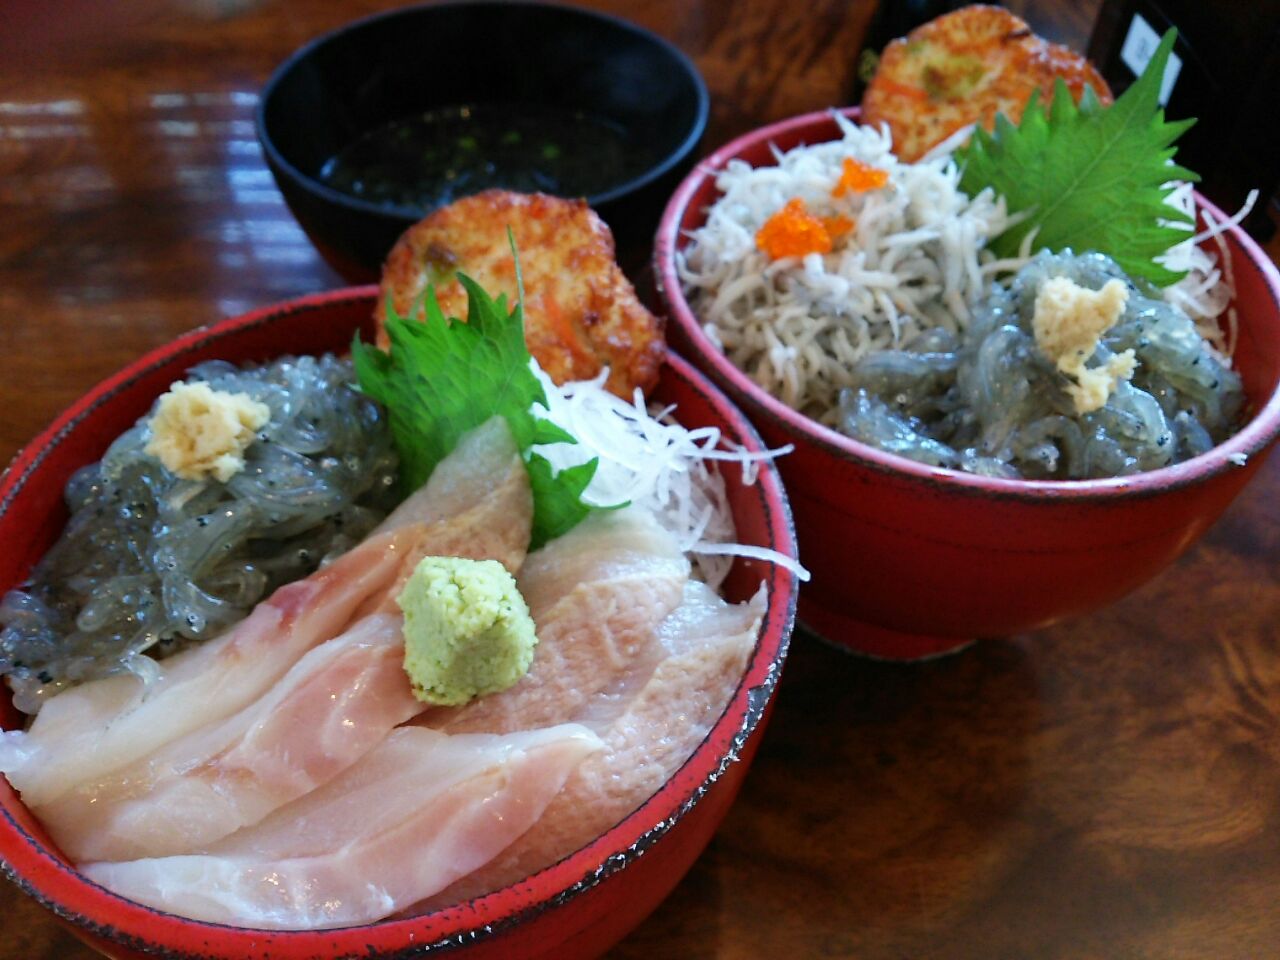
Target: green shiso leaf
558 497
1091 177
443 378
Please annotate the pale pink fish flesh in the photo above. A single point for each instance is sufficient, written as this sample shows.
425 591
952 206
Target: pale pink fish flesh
605 545
476 504
88 731
623 575
650 737
482 461
416 813
336 703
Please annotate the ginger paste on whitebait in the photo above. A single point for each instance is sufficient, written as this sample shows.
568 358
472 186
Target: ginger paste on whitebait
1068 323
199 432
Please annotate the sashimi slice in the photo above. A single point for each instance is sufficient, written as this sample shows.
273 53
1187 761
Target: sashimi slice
419 811
617 543
702 617
477 504
598 636
483 460
88 731
646 743
337 703
705 615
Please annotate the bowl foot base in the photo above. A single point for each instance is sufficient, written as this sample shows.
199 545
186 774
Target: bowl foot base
877 643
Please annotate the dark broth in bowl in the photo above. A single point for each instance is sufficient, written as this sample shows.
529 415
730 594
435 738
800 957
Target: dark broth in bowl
430 159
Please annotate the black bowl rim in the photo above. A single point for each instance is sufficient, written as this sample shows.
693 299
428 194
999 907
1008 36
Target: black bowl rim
412 214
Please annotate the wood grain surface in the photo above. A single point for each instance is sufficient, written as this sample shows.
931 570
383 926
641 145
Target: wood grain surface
1106 788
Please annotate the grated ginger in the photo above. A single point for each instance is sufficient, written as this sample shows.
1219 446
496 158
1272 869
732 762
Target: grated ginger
1069 321
198 432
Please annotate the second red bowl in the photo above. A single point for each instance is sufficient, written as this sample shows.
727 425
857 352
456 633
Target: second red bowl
909 560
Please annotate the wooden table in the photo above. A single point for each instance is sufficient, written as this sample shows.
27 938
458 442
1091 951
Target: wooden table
1105 788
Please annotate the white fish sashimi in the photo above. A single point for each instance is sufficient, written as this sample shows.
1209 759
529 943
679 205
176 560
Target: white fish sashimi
477 504
598 636
91 730
648 740
482 461
337 703
672 714
703 614
605 545
419 811
702 621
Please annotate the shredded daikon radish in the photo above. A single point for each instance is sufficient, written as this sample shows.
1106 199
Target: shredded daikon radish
649 460
1205 293
914 260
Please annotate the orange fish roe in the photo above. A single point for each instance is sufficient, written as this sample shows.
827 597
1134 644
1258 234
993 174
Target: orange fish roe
793 232
859 177
837 227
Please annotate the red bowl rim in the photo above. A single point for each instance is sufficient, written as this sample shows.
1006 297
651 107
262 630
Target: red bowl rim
1251 441
71 896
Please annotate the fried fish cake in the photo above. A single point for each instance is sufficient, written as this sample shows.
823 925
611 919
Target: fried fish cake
965 67
580 312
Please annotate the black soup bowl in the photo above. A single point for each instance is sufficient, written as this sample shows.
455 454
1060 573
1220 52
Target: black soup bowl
531 59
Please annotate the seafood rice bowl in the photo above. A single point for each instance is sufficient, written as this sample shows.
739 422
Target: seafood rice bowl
661 606
989 435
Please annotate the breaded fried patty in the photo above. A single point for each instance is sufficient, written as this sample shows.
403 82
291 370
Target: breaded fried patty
965 67
580 312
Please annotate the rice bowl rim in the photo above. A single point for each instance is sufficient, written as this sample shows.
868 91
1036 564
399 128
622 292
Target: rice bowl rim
1250 441
62 889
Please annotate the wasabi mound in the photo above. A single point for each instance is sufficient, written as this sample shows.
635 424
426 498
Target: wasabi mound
467 630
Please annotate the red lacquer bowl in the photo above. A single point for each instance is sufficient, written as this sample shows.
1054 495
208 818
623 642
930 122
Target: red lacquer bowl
577 908
910 561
